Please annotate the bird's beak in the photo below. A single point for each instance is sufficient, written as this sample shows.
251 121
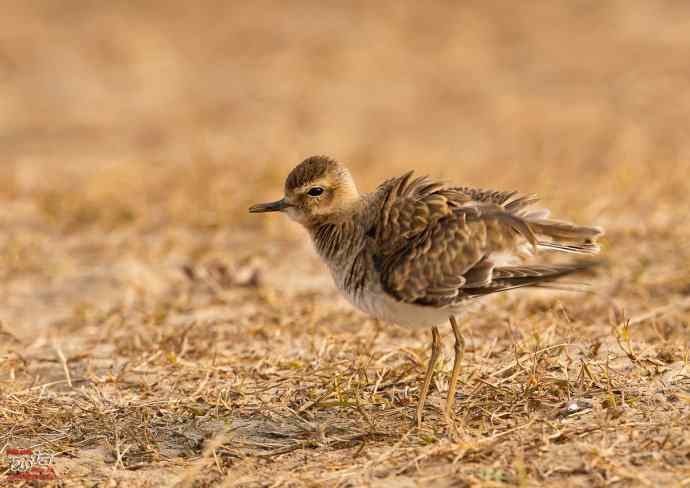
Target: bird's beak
276 206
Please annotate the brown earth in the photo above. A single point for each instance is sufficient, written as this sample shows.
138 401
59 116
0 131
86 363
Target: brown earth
155 334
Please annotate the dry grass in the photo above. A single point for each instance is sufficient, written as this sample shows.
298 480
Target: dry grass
154 334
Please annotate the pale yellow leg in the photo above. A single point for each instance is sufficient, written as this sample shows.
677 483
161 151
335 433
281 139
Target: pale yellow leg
435 348
459 354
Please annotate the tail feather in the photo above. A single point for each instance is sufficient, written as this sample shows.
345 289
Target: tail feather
564 231
541 272
584 248
557 235
510 277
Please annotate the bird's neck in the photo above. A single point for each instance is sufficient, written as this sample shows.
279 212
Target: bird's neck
339 237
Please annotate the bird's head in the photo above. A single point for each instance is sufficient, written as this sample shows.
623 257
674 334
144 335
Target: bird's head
319 190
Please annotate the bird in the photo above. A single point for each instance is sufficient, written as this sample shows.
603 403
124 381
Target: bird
417 252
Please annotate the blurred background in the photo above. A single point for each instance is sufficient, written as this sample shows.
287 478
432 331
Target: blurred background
136 119
477 90
134 136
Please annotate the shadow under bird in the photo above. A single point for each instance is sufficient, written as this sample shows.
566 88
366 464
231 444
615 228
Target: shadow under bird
415 252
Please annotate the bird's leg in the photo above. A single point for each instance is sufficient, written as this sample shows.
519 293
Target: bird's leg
435 348
459 354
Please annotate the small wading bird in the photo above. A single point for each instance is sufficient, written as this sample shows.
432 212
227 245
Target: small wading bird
414 252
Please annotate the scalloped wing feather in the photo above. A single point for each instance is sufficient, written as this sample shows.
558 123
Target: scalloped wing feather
434 243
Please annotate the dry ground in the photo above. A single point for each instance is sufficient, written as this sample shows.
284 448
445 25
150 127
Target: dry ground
155 334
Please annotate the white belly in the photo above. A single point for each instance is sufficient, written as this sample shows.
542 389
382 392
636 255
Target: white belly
383 307
378 304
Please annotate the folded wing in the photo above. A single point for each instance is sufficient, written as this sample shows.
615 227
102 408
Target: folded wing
433 245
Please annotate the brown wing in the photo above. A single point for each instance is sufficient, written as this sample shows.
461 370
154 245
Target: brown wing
556 235
431 242
511 200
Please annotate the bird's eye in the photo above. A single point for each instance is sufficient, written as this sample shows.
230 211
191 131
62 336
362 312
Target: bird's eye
315 191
